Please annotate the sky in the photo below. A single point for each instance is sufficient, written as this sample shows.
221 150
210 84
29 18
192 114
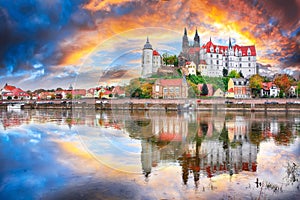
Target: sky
55 43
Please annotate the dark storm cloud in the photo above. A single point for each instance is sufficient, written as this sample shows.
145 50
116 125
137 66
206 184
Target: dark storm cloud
32 30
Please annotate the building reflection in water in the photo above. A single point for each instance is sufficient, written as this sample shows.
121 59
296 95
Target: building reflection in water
204 144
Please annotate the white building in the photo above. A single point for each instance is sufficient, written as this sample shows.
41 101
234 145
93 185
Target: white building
191 68
151 60
239 58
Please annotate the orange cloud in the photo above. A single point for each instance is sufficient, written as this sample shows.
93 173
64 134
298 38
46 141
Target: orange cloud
96 5
246 23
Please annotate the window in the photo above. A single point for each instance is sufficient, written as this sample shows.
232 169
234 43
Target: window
177 90
165 90
240 64
217 56
217 62
248 58
171 89
249 64
211 55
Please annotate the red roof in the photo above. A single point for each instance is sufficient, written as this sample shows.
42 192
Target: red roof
203 62
267 85
188 63
9 87
155 53
79 92
231 90
222 49
171 82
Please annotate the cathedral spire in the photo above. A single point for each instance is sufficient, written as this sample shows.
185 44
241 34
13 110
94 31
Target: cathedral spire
230 45
196 39
185 32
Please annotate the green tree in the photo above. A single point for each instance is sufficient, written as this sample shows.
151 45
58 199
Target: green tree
69 96
204 90
9 98
170 59
234 74
255 84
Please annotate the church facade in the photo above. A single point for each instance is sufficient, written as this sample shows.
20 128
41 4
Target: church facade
151 60
190 52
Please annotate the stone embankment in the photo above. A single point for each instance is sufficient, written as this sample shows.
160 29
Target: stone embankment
286 105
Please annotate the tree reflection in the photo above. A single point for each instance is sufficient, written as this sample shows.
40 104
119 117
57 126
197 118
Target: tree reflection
255 134
285 136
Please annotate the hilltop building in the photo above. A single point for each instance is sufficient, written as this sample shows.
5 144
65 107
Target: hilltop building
190 52
217 57
211 59
151 60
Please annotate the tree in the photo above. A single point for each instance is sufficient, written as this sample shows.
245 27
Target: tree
234 74
146 90
52 96
69 96
225 72
9 98
255 84
170 59
131 88
59 89
204 90
283 82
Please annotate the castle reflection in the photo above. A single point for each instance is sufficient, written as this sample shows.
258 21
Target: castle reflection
204 144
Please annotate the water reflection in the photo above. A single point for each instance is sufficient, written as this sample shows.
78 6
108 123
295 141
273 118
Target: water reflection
203 144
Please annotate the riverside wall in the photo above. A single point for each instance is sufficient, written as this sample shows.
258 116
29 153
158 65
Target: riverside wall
260 105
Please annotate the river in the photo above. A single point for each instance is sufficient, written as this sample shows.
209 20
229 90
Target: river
119 154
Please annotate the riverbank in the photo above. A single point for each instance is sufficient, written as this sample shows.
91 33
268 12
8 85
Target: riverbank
260 105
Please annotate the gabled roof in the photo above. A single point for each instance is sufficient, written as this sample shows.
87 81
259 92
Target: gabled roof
171 82
222 49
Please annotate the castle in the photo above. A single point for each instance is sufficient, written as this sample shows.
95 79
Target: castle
211 59
151 60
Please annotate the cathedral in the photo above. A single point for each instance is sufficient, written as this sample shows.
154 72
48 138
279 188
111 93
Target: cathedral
190 52
151 60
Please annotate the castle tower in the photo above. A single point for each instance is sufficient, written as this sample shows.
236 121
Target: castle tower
147 59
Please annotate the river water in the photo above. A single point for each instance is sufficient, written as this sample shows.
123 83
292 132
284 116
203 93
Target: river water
88 154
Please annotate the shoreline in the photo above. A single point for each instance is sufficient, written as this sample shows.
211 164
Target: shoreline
171 106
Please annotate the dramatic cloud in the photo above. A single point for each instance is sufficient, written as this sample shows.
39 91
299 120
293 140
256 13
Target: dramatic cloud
57 34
